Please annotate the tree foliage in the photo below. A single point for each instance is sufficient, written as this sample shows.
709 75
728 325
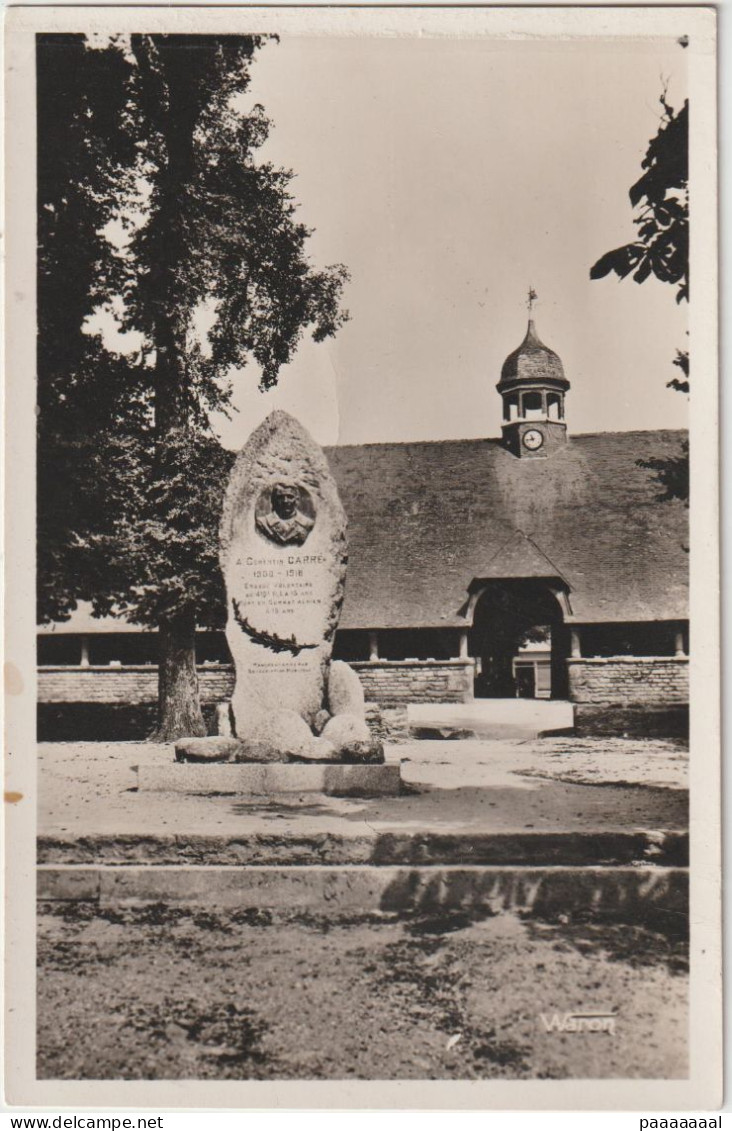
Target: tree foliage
681 361
661 249
672 473
157 218
661 197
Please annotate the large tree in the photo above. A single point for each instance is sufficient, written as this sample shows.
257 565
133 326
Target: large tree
661 249
154 211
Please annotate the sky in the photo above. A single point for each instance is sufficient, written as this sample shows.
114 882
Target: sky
449 175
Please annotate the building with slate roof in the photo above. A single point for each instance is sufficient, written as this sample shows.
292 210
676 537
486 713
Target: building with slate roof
538 564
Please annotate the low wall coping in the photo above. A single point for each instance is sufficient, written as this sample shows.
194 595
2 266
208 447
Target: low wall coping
115 669
457 662
454 662
628 660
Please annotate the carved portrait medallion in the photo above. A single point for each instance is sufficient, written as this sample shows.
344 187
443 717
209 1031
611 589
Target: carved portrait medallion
285 513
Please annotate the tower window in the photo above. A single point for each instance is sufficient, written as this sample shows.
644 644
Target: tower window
554 406
533 406
511 407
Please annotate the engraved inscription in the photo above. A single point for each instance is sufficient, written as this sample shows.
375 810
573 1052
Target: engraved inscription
278 586
274 593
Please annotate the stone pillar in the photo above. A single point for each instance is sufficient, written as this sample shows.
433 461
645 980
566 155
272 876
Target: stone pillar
373 646
679 645
576 647
463 645
84 652
544 405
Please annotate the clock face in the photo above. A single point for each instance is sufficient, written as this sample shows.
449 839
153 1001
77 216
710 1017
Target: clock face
533 439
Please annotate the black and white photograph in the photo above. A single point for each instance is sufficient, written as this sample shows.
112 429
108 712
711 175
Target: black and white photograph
361 477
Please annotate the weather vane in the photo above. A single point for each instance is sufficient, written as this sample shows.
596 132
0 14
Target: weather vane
532 299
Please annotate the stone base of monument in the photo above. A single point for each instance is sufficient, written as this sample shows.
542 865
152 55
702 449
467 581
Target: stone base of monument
269 780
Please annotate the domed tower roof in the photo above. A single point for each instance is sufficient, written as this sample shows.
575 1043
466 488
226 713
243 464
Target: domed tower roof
533 387
534 362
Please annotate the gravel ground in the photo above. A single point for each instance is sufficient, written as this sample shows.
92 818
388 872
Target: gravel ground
87 788
661 763
169 993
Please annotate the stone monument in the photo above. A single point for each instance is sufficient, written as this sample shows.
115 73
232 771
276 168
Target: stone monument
283 557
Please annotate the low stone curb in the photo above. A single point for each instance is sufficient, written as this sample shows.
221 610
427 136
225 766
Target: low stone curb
632 895
606 849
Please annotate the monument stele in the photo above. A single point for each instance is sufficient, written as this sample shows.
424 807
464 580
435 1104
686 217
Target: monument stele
283 557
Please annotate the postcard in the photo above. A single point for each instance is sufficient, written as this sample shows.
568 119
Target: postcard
362 648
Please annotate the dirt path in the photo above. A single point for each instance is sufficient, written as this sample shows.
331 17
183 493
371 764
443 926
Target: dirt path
164 993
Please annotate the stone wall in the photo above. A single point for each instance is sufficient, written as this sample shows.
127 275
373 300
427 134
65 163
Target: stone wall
126 685
652 681
391 682
625 680
106 704
385 682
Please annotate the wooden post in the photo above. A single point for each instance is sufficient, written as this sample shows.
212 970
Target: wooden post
463 646
373 646
679 645
576 649
84 652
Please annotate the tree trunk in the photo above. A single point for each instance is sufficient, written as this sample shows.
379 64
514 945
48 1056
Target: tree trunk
179 705
172 84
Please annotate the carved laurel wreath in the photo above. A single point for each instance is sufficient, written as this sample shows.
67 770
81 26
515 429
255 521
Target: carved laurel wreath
267 639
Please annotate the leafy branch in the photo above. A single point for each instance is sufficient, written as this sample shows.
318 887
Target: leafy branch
661 196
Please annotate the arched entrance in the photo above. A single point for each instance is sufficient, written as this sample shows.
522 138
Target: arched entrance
519 640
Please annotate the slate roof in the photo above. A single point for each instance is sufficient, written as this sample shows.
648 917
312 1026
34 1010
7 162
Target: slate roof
426 519
532 361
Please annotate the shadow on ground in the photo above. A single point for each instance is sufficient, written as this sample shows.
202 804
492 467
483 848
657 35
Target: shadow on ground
161 992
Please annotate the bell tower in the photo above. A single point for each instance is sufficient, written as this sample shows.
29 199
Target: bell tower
533 386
